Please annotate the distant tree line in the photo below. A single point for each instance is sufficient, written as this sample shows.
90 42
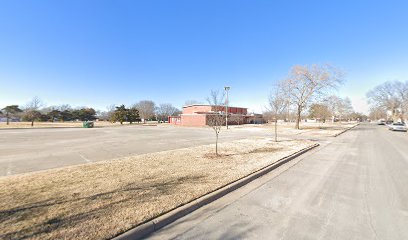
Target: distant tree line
389 101
329 109
35 111
306 93
334 108
145 110
303 86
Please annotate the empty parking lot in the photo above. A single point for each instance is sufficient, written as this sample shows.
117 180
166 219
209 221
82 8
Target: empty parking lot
28 150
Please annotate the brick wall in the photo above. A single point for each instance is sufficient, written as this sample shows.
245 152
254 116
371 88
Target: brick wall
193 120
193 109
206 108
195 115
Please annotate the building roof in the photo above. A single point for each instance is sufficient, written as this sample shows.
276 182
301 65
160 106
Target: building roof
192 105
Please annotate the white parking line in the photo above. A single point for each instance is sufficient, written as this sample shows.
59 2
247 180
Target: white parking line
8 170
86 159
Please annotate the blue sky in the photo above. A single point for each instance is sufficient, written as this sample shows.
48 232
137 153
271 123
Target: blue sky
97 53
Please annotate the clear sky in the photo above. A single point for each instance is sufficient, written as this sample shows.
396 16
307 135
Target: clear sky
97 53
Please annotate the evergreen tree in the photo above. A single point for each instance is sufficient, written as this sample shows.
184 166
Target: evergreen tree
120 114
10 110
133 115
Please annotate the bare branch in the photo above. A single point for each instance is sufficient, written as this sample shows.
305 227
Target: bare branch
216 119
308 83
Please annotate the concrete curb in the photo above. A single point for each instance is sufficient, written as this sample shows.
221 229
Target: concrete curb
337 134
151 226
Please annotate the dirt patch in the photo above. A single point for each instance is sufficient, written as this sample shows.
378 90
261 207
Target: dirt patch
101 200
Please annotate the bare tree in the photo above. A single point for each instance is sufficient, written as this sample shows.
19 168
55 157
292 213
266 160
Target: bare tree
345 109
377 113
307 83
277 105
216 119
32 108
402 90
166 109
235 118
35 103
108 114
333 102
392 96
320 111
146 109
339 108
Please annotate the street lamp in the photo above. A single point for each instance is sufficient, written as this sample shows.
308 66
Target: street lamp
226 106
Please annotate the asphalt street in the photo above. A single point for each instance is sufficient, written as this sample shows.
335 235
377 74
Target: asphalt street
353 187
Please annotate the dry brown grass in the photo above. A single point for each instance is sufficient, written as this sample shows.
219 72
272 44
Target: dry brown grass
325 129
306 128
266 149
101 200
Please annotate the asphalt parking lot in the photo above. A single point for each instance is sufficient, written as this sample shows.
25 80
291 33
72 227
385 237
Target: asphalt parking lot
29 150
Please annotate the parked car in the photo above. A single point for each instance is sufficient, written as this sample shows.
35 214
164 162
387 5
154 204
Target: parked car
381 122
398 126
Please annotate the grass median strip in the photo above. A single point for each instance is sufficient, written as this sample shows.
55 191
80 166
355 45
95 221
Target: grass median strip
101 200
312 129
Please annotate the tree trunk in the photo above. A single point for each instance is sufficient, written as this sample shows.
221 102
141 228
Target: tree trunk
7 116
32 123
276 130
216 144
299 110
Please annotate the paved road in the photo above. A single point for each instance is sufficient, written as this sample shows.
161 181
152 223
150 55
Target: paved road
28 150
355 187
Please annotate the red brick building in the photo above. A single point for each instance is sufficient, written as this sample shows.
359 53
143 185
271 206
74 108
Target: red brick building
197 115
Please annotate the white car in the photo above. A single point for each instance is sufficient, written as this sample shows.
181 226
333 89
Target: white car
398 126
381 122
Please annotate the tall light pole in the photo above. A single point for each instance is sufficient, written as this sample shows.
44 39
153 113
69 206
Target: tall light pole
226 106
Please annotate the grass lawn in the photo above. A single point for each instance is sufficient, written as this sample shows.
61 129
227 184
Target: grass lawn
306 128
101 200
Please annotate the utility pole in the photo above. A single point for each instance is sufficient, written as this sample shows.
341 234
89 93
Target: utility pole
226 106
